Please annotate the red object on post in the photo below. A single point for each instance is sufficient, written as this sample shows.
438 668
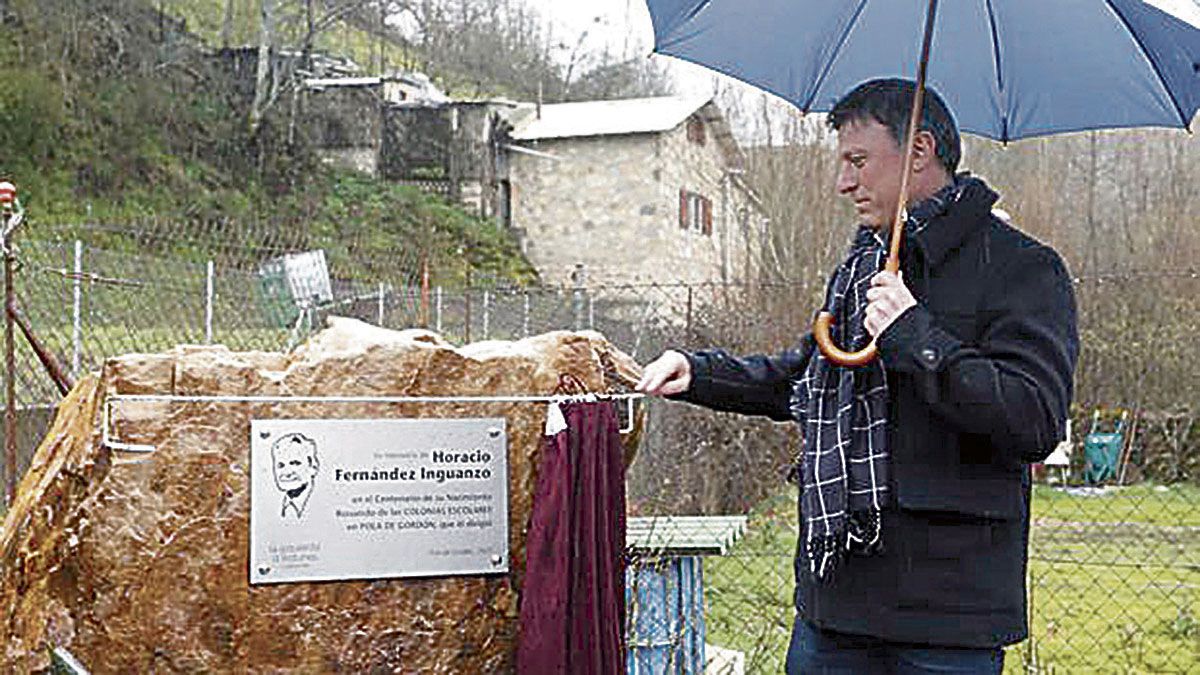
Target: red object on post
8 195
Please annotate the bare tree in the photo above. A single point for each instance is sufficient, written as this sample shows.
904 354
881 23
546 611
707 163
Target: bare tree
504 47
264 89
227 25
322 16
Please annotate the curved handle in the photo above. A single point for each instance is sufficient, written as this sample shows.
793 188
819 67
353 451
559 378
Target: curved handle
832 352
824 322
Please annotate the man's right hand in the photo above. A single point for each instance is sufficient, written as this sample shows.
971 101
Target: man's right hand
667 375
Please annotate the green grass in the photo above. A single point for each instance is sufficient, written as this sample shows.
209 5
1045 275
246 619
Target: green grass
1115 581
748 592
1146 504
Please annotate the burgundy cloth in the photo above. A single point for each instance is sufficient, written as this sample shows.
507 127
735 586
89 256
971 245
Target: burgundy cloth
573 600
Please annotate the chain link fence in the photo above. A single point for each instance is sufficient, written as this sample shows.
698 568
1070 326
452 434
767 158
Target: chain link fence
1114 577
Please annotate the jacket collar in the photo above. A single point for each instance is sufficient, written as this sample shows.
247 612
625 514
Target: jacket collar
945 220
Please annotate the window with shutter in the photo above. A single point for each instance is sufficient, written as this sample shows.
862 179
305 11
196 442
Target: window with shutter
683 209
708 221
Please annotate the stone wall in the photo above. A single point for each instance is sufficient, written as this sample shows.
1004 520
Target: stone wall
344 117
447 141
612 203
416 140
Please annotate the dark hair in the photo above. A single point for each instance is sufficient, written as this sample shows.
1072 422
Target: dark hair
889 102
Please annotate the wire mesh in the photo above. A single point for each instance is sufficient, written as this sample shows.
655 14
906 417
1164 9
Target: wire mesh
1114 573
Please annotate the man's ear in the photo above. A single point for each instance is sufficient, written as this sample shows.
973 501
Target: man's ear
924 151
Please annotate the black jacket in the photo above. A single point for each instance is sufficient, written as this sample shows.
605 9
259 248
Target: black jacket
980 378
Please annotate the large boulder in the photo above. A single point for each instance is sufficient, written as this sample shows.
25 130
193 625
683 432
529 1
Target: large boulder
139 562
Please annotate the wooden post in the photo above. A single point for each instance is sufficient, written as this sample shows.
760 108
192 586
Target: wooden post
11 215
10 374
62 380
1127 449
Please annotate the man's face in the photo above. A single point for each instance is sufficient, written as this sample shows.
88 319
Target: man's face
294 461
870 162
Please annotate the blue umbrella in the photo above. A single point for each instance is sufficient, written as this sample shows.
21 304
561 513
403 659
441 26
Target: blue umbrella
1009 69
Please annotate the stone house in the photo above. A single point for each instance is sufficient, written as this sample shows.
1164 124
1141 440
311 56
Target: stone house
636 190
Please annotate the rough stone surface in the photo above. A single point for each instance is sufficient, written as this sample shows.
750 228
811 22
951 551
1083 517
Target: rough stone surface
139 563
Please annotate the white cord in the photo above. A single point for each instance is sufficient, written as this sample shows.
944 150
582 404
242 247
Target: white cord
557 398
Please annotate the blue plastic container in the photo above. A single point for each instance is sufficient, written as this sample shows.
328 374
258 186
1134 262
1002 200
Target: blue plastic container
664 616
1102 450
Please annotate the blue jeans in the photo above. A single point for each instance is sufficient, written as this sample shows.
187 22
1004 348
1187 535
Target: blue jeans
814 651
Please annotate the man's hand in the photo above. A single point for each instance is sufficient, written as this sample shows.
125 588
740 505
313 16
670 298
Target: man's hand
669 374
887 299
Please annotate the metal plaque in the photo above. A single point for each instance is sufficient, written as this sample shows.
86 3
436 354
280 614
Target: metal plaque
367 499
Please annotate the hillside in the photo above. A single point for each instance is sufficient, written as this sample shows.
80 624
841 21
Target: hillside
114 114
347 28
470 48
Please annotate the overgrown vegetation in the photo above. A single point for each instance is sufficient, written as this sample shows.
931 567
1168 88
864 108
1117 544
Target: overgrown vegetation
471 48
113 116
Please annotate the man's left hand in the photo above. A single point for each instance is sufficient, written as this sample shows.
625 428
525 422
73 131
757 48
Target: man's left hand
887 299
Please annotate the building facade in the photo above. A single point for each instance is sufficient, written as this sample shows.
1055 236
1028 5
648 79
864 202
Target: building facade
637 191
647 190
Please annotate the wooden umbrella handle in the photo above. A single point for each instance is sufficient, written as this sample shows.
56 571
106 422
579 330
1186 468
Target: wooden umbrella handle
824 320
821 332
835 354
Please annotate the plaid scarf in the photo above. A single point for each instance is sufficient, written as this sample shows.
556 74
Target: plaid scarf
844 462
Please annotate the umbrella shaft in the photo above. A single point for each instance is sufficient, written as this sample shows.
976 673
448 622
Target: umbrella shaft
914 122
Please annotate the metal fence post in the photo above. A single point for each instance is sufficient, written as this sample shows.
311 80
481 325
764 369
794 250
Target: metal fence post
467 308
437 309
380 322
579 277
467 316
688 321
525 317
77 314
425 292
487 313
208 304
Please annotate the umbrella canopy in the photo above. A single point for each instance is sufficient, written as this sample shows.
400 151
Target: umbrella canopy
1008 69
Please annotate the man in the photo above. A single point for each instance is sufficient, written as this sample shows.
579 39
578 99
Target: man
914 489
294 463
